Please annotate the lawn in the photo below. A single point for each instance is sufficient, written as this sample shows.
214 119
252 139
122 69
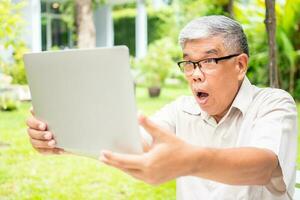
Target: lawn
24 174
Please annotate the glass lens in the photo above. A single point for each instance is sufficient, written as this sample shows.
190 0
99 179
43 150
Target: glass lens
188 67
207 66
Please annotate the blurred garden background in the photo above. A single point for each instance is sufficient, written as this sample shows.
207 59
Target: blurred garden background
150 29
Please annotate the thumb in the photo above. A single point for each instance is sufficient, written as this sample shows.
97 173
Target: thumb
153 129
146 146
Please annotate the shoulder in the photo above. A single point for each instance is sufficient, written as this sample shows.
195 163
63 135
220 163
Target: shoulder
273 99
268 95
182 103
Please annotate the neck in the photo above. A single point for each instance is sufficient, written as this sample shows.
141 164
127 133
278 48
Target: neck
219 117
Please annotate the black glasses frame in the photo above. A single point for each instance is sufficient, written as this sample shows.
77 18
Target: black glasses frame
197 63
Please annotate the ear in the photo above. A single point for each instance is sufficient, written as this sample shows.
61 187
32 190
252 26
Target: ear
242 65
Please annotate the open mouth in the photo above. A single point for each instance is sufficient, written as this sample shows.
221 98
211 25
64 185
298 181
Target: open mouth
202 94
202 97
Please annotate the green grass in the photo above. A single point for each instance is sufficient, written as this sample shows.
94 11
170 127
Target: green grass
149 105
25 174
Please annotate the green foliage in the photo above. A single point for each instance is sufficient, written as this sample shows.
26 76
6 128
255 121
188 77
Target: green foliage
163 29
297 91
67 10
10 36
17 70
190 9
11 22
8 101
160 24
96 3
158 63
167 22
124 28
129 4
287 58
251 16
288 32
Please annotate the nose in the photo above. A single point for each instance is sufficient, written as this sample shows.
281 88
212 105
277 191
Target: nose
198 75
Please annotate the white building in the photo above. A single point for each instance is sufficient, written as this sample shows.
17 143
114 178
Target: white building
46 29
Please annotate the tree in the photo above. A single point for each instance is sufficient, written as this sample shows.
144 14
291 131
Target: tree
12 28
270 22
228 7
85 24
288 20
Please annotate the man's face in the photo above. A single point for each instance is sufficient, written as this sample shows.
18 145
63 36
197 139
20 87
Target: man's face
214 91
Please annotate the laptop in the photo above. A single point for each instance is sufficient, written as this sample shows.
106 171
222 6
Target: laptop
86 96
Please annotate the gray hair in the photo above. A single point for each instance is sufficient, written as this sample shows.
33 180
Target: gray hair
216 25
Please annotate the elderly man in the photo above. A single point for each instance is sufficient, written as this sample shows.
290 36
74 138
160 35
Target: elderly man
231 140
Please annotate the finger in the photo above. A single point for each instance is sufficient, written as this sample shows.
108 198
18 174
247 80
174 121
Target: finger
153 129
40 135
146 146
138 174
33 123
31 111
122 160
46 151
40 144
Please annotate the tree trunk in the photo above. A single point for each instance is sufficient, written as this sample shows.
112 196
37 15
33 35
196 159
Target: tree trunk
270 22
229 8
85 24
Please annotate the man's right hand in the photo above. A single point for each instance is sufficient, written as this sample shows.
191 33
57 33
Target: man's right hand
41 139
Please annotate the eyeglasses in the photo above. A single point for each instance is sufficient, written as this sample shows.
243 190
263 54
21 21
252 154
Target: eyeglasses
207 65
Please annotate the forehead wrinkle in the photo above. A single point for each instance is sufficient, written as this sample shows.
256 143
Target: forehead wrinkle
212 51
205 53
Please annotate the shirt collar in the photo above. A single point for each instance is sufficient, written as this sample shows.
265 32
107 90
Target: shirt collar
241 101
190 106
244 96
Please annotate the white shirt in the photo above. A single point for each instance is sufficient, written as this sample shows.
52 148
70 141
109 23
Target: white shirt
258 117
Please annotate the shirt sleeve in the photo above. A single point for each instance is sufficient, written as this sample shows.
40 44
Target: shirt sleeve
275 129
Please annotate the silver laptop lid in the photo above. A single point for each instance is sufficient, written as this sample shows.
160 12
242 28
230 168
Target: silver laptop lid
86 97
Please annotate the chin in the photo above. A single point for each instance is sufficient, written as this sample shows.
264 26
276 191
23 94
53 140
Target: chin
206 108
209 109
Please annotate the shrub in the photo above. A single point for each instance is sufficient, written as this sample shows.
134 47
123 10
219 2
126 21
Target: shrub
10 37
9 100
16 70
159 62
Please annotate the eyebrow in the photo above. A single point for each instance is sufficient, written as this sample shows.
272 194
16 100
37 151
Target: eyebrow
208 52
212 51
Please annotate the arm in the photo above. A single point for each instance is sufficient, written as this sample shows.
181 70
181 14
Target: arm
169 157
235 166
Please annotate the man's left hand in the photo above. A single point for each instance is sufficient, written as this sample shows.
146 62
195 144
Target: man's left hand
166 158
